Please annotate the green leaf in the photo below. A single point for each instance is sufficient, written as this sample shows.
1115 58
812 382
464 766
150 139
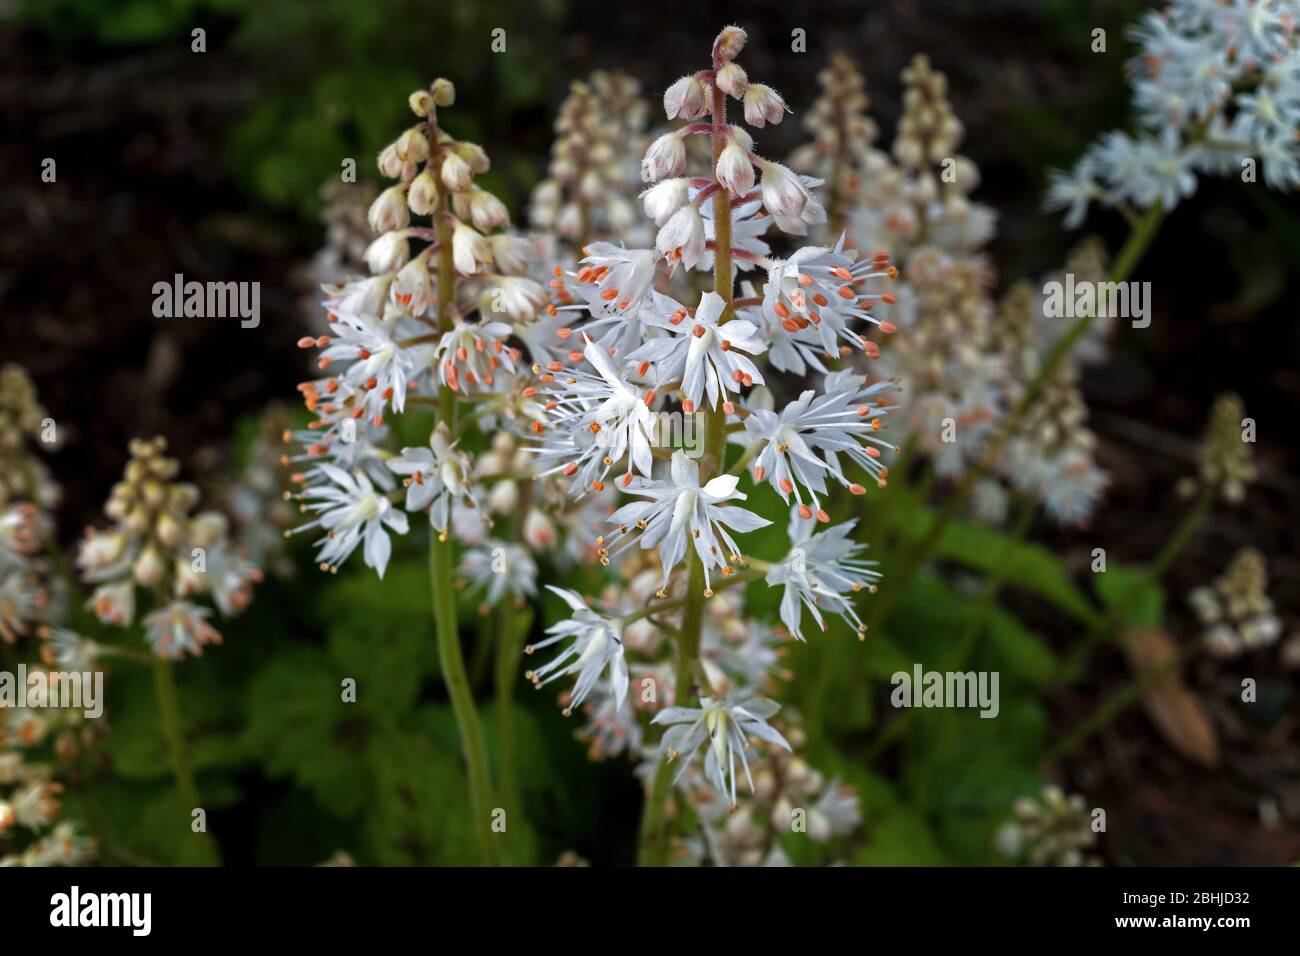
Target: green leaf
1134 601
1016 649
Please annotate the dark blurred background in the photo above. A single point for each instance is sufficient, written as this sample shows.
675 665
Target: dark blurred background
211 164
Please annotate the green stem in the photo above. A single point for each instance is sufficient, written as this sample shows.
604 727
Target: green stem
1131 253
164 683
654 830
450 656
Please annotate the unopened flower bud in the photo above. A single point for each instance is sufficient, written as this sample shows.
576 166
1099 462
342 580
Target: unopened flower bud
539 530
728 44
664 199
474 154
512 254
412 147
732 80
148 569
734 171
444 92
665 157
388 212
470 251
456 174
763 105
422 197
685 98
388 253
421 101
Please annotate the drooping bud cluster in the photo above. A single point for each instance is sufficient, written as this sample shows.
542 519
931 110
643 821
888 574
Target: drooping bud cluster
23 423
1236 610
591 183
1053 830
157 543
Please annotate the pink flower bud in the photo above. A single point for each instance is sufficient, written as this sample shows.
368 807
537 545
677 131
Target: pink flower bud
665 157
734 170
732 80
686 99
763 105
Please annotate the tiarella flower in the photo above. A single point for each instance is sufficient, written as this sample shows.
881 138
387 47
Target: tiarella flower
725 726
102 555
596 647
114 603
681 511
822 572
434 477
500 568
230 578
469 356
68 650
704 356
731 79
360 296
483 209
836 812
818 287
748 226
178 629
380 368
613 281
664 199
21 599
665 157
592 422
681 238
351 512
802 444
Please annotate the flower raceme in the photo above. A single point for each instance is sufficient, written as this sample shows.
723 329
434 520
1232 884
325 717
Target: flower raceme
615 342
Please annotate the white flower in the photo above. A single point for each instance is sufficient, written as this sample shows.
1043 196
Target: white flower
350 512
735 172
1074 190
597 646
613 280
705 356
681 511
592 422
500 568
179 628
665 157
470 251
841 421
114 603
681 238
821 572
518 297
726 726
379 367
469 356
435 475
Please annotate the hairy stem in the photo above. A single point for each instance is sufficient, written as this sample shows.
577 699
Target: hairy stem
654 835
450 657
169 714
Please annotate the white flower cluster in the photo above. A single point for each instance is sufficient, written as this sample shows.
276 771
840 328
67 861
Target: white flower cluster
31 833
638 386
1236 610
1216 91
